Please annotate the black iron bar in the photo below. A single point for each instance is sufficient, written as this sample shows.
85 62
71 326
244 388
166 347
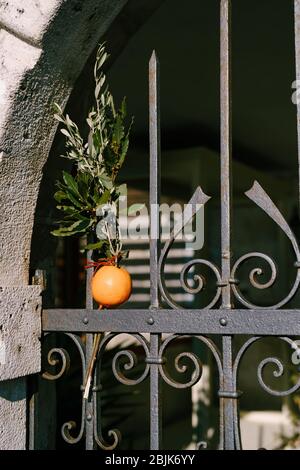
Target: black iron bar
215 322
227 404
89 408
297 50
154 200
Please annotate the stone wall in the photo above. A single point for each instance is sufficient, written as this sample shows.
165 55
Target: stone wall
44 45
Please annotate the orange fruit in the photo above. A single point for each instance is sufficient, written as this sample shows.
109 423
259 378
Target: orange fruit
111 286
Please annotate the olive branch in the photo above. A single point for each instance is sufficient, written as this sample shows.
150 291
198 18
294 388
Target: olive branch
98 161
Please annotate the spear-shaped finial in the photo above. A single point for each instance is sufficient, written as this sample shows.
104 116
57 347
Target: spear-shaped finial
154 190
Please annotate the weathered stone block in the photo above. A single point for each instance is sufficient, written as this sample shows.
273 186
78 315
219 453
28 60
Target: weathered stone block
16 59
20 331
28 19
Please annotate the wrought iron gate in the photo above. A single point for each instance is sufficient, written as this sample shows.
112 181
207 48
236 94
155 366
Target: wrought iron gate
218 318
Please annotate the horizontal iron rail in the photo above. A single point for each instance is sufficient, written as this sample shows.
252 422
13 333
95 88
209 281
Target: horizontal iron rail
260 322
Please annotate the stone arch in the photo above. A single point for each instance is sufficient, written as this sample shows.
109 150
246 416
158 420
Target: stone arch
43 48
42 55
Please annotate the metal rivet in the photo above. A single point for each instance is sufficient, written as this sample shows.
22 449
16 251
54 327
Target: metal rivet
223 321
150 321
89 417
85 320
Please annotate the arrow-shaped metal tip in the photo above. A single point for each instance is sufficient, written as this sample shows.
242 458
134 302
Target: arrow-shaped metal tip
255 189
153 58
198 200
199 197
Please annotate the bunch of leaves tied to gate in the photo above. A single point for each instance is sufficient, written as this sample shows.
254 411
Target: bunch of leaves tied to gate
89 200
87 197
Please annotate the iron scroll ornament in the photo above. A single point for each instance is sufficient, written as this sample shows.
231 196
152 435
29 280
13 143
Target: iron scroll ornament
198 199
119 369
69 426
130 362
277 373
268 361
185 356
258 195
114 435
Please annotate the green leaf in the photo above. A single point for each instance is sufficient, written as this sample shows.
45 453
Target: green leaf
125 144
118 130
124 151
57 109
90 142
123 109
94 246
105 197
100 83
132 210
101 197
69 122
90 123
97 90
97 141
73 196
71 183
72 213
58 118
66 133
77 227
60 196
83 182
73 154
68 209
101 58
73 199
106 181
